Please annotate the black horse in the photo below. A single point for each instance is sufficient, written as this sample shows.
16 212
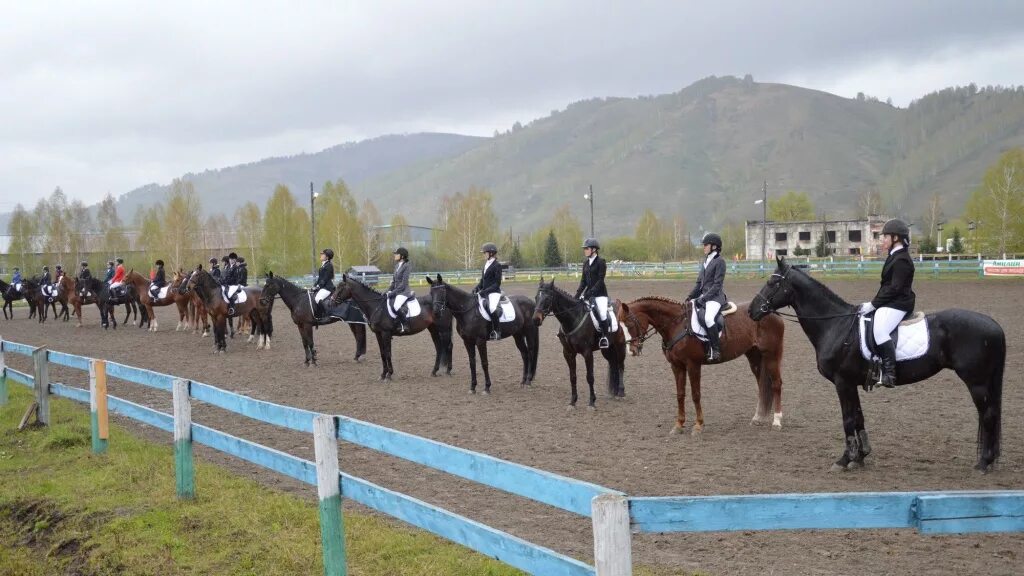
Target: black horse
373 303
209 291
578 336
12 296
106 299
300 302
475 329
971 344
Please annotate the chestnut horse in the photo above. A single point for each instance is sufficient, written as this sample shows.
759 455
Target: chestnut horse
760 342
142 285
210 292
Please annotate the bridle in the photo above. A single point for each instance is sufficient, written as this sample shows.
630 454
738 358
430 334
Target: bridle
766 306
547 290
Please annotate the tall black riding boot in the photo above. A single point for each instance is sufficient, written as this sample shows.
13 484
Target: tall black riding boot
887 352
496 324
606 327
400 318
714 347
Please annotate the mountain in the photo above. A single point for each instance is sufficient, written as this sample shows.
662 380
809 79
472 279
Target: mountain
705 151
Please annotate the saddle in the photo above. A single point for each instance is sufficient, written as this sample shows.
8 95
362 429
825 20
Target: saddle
119 292
727 310
613 320
910 338
411 306
508 311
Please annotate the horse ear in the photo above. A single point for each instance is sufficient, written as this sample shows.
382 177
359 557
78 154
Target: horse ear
430 280
541 283
624 308
439 279
270 273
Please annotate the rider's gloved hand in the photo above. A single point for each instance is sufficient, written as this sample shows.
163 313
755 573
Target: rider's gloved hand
866 308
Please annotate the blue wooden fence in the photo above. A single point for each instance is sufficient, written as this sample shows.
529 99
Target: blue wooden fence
928 512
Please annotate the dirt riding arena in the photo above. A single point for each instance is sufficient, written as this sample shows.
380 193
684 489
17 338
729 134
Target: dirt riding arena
923 435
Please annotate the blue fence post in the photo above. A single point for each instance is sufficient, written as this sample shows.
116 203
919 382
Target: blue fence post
41 373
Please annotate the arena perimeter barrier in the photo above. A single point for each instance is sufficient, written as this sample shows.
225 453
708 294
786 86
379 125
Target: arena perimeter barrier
614 515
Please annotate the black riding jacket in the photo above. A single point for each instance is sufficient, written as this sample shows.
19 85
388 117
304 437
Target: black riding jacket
243 274
592 279
710 281
490 280
230 277
325 279
897 278
160 279
85 274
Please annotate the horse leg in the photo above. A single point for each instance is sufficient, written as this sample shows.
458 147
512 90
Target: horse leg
309 344
483 365
849 404
772 370
449 351
359 332
761 409
524 352
151 315
588 361
680 373
471 350
693 371
570 359
985 384
386 353
438 352
383 359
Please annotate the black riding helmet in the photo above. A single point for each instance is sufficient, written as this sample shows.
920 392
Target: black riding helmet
159 262
401 251
225 259
591 243
328 252
120 260
213 260
897 227
713 239
85 264
490 248
110 262
233 256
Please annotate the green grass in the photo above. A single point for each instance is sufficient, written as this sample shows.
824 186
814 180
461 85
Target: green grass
64 510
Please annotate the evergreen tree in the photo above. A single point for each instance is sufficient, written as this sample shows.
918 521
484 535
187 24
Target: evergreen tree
515 258
957 245
552 257
822 249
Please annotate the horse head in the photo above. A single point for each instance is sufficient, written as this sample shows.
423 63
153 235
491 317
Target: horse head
776 293
343 291
270 289
438 296
638 324
545 299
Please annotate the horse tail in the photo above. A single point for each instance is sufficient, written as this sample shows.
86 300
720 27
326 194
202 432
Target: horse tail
765 385
995 398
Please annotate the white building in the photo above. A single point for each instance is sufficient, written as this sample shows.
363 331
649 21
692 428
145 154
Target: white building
842 237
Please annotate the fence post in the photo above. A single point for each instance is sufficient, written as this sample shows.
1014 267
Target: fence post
42 385
613 545
3 374
184 467
98 405
332 529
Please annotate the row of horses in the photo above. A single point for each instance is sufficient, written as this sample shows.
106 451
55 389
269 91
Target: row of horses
971 344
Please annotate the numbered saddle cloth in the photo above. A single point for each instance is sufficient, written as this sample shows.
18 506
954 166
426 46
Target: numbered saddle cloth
160 293
613 320
911 342
508 310
412 307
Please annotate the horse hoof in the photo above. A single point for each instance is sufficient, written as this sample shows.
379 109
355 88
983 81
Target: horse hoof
854 465
983 468
677 429
487 392
570 407
696 432
472 391
837 467
777 422
360 358
592 408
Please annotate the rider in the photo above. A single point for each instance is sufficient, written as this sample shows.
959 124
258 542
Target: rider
489 287
708 294
84 273
119 274
243 272
230 281
895 298
45 282
324 280
15 283
110 272
399 287
58 274
159 279
215 270
592 286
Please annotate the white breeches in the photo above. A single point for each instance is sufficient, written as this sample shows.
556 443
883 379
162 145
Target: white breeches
320 295
18 286
399 301
601 303
886 320
710 311
232 289
116 284
492 301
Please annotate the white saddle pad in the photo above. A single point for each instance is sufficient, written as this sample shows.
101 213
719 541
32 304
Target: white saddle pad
240 295
611 316
508 311
911 342
162 293
49 290
412 303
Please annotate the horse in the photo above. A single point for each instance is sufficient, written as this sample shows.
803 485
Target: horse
475 329
141 287
760 342
300 303
210 292
970 343
44 301
578 336
372 304
104 299
79 297
10 297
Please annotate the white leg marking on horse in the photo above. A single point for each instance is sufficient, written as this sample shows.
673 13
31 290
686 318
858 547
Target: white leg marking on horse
777 421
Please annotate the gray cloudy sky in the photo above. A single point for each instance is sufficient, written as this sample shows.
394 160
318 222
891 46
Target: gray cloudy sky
107 96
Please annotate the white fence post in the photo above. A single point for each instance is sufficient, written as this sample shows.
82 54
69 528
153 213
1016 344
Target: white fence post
613 542
42 385
332 527
184 464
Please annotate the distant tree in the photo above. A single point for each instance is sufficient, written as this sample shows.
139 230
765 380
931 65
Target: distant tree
654 236
734 240
957 245
469 221
791 207
798 251
869 203
926 245
151 237
369 224
337 224
110 228
999 202
626 248
79 225
55 216
568 232
822 248
181 224
284 246
515 258
248 227
552 256
22 228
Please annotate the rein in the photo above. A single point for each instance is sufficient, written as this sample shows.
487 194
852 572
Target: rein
570 309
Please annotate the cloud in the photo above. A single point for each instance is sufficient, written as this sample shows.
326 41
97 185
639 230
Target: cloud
107 96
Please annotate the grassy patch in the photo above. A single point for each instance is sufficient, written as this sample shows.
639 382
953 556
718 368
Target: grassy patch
64 510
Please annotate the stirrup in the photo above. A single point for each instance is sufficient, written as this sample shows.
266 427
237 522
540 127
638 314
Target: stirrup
494 335
603 342
231 310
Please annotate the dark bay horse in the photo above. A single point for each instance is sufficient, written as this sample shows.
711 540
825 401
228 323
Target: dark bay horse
373 303
88 293
578 336
971 344
299 302
105 300
217 307
64 287
27 288
475 329
760 342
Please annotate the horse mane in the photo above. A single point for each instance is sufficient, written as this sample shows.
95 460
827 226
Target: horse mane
657 299
825 291
559 290
364 285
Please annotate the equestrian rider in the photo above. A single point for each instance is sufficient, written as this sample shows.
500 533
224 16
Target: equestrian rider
84 273
243 272
399 288
215 270
225 265
592 286
159 280
324 281
230 281
708 295
44 280
110 272
119 274
15 283
489 287
895 298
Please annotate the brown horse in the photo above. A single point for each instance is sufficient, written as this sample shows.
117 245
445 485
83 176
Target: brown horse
210 292
65 287
148 302
760 342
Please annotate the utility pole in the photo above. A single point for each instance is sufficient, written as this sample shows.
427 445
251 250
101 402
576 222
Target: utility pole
764 224
312 228
590 197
